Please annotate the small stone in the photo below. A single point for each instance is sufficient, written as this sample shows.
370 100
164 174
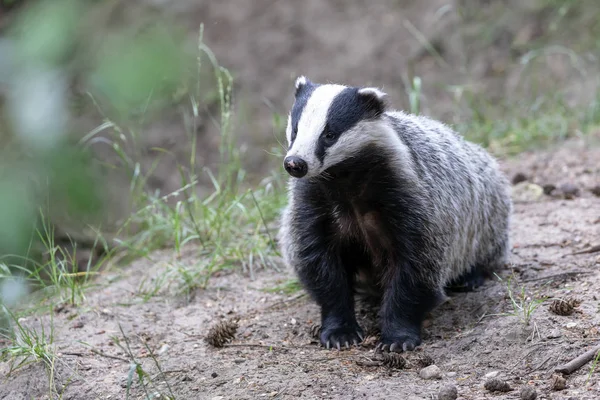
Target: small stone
77 325
595 190
492 374
558 382
497 385
527 192
548 189
518 178
431 372
528 393
554 334
239 360
569 190
451 374
448 392
214 375
163 349
186 378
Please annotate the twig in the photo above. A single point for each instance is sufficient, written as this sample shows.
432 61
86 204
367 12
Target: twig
100 353
525 356
578 362
286 301
540 365
561 275
72 353
262 346
369 363
593 249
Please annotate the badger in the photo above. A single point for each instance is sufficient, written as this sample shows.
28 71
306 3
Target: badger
391 201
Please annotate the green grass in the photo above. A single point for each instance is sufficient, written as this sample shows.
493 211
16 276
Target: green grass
27 346
522 303
288 287
52 272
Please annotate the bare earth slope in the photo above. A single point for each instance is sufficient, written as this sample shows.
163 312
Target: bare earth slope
273 355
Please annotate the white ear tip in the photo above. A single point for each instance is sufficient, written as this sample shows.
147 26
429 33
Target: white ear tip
301 81
372 92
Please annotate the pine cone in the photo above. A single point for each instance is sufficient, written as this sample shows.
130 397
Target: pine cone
315 331
497 385
221 333
558 382
370 341
394 360
423 361
564 307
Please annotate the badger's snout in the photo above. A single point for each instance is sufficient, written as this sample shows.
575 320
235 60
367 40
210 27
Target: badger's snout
295 166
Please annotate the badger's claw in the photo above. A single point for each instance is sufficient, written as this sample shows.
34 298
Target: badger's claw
341 336
398 343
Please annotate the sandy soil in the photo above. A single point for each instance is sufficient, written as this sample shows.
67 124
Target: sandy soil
274 356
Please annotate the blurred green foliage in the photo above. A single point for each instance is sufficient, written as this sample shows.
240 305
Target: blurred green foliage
53 46
132 70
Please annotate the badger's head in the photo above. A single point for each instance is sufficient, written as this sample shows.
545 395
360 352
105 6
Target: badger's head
327 125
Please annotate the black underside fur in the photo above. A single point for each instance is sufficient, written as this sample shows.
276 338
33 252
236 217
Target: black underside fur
361 221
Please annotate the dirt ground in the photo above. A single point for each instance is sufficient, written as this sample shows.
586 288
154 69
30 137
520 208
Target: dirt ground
274 356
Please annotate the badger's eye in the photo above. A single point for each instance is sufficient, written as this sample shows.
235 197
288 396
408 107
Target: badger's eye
328 135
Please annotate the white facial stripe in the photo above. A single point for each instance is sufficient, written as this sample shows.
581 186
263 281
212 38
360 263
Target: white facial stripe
311 125
288 130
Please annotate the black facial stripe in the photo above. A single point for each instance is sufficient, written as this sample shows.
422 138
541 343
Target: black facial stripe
302 95
346 110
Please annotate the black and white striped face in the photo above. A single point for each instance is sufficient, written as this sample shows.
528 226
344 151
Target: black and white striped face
327 125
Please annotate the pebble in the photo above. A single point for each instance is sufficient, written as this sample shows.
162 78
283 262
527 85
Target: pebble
431 372
527 192
77 325
595 190
214 375
448 392
569 190
518 178
492 374
548 188
497 385
554 334
528 393
558 383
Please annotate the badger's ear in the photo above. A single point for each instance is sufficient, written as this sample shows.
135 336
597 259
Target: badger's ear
373 99
301 82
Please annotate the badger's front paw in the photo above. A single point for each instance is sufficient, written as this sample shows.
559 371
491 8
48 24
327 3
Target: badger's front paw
341 335
398 342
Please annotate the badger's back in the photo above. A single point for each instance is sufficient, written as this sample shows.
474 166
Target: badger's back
466 194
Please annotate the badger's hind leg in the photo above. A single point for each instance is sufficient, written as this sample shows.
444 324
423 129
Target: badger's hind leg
469 281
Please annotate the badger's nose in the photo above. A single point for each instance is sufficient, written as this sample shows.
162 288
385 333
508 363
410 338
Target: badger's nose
295 166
